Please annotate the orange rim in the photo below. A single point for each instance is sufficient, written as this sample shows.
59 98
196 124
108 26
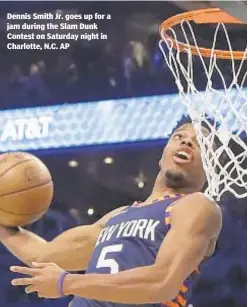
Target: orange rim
203 16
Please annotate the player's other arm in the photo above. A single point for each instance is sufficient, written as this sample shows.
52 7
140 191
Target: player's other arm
71 250
196 222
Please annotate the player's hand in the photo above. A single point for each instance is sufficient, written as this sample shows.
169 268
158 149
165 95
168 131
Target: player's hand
43 279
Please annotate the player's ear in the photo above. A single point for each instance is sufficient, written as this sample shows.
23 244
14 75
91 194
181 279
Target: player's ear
159 163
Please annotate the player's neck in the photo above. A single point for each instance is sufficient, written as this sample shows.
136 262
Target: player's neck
160 190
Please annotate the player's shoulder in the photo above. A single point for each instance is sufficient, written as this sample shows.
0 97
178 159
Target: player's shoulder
199 207
199 200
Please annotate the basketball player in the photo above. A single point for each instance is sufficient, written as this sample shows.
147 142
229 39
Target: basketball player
147 253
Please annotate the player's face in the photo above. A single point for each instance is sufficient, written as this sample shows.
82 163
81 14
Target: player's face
181 164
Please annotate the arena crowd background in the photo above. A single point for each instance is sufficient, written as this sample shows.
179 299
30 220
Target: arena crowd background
91 180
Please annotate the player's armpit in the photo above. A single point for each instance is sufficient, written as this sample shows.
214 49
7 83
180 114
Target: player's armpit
195 222
102 221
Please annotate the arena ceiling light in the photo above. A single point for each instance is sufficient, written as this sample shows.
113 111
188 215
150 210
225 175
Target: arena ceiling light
73 163
108 160
141 184
90 211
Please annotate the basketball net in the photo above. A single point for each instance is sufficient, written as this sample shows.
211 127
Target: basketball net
223 112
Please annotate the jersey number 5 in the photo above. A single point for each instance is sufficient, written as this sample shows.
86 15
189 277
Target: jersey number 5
105 262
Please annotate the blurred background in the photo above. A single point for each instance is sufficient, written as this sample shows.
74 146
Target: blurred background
99 115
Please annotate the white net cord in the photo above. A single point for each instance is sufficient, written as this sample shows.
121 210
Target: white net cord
225 166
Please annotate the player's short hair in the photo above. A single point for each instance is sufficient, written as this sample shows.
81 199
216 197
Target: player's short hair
183 121
187 120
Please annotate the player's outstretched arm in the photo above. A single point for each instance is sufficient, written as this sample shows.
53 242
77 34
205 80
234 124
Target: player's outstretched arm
70 250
